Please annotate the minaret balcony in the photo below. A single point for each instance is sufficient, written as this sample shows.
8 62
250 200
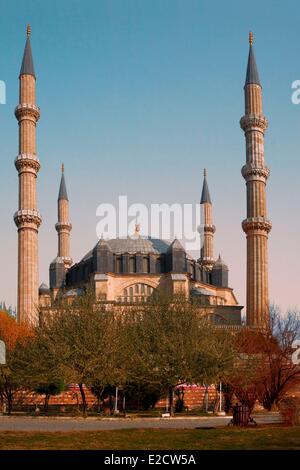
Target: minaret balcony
63 227
252 122
27 162
251 172
257 224
27 111
67 261
30 218
206 228
207 262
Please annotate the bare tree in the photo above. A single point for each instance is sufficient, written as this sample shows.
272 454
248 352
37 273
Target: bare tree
264 369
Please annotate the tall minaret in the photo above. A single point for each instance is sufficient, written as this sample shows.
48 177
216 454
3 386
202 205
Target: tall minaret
256 225
207 228
63 226
27 218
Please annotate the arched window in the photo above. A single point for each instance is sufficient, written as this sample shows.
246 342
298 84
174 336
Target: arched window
136 293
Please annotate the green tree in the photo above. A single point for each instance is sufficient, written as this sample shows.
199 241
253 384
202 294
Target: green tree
49 389
171 343
78 343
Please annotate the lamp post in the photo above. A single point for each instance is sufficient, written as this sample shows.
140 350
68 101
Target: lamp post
116 411
221 413
2 353
2 363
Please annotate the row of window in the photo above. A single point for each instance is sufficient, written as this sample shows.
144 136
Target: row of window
82 271
132 265
136 293
142 293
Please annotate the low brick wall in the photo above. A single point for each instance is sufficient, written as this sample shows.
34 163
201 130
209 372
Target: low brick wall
193 395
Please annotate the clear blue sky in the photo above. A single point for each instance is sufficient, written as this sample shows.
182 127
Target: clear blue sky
137 96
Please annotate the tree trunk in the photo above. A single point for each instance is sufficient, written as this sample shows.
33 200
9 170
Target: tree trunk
83 398
171 401
98 404
46 402
206 398
100 400
9 403
111 404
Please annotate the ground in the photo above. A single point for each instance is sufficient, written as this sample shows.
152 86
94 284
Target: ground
62 424
268 437
196 433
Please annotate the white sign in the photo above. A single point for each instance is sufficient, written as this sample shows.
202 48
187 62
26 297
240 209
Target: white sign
296 353
2 352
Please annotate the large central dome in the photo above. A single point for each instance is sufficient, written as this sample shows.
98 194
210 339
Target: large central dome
131 245
138 245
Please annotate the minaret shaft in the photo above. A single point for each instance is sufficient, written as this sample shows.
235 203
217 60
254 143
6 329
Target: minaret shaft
256 226
27 218
64 228
207 248
63 225
207 229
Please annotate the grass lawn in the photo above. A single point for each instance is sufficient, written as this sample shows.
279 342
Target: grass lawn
261 437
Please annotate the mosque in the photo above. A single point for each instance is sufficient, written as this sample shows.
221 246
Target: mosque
124 271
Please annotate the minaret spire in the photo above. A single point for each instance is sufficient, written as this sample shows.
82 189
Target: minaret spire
252 76
250 38
62 188
27 218
256 225
27 66
205 196
63 226
207 229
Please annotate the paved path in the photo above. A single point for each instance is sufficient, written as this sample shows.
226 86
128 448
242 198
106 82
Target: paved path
18 423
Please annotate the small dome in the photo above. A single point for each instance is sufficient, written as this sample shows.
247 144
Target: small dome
44 289
220 264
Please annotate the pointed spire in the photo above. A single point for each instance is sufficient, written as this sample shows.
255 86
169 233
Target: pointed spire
27 66
205 196
220 263
62 189
175 245
252 76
